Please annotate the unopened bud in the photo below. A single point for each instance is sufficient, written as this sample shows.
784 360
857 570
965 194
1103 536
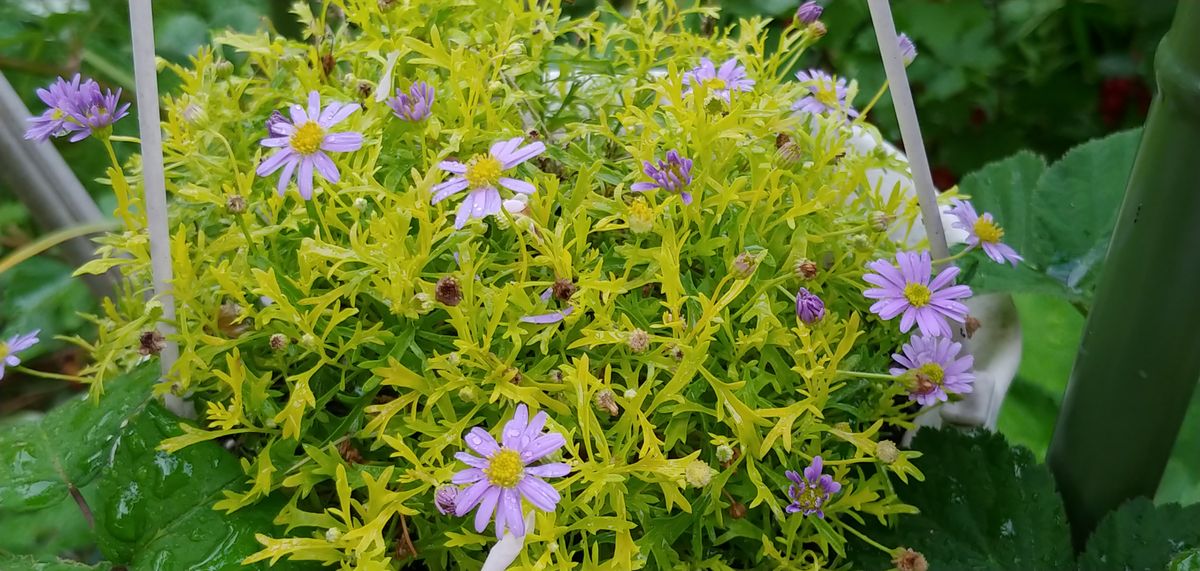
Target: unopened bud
468 394
676 352
349 453
744 264
861 243
698 474
223 69
605 400
972 325
724 453
789 153
423 302
235 204
880 220
445 499
886 451
361 204
563 289
332 535
638 340
448 291
806 269
630 393
308 340
737 510
385 5
151 343
908 560
818 29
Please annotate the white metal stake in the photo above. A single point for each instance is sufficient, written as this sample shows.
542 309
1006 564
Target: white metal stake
141 24
910 130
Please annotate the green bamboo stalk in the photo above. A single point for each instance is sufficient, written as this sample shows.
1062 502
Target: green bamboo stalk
1139 360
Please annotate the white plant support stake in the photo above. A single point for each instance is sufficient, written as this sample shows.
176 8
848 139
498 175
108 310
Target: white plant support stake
910 130
974 409
145 71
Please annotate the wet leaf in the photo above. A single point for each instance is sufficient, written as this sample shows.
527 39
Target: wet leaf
39 460
1141 536
26 563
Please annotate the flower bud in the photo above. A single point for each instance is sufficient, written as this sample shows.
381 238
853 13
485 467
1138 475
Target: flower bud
223 69
630 393
448 291
333 534
361 204
818 29
423 302
737 510
563 289
808 13
860 242
151 343
879 220
744 264
235 204
972 325
886 451
638 340
605 400
806 269
349 453
444 499
639 216
468 394
809 308
724 453
698 474
278 342
908 560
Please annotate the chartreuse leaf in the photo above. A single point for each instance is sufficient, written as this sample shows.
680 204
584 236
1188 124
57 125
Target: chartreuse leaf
155 508
984 506
25 563
1140 535
40 460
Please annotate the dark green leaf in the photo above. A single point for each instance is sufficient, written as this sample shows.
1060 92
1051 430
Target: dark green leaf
1187 561
1141 536
155 508
25 563
39 460
984 506
51 532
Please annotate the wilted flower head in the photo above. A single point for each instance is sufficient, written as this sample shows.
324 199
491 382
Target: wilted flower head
825 94
304 141
932 368
639 216
731 76
909 560
809 308
444 499
983 232
151 343
698 474
886 451
908 50
672 174
447 291
81 109
809 493
908 291
416 105
808 12
14 345
638 340
806 268
503 476
481 175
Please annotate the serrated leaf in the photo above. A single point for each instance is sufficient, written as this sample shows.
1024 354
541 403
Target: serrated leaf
1140 535
38 461
156 508
986 506
25 563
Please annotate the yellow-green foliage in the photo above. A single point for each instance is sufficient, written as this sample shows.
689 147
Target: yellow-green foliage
357 418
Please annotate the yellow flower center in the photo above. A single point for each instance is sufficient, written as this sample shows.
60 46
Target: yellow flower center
506 468
827 94
715 83
931 371
988 231
483 171
3 351
917 295
307 138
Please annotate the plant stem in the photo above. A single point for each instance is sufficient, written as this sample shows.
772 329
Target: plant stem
862 375
948 259
45 375
871 104
863 537
51 240
1140 356
316 217
124 139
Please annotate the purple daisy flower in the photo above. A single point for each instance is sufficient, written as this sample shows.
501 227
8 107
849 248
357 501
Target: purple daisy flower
909 291
14 345
730 77
95 112
61 100
672 174
548 318
304 141
809 493
808 12
481 175
825 94
908 50
809 308
416 105
983 232
932 368
503 476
